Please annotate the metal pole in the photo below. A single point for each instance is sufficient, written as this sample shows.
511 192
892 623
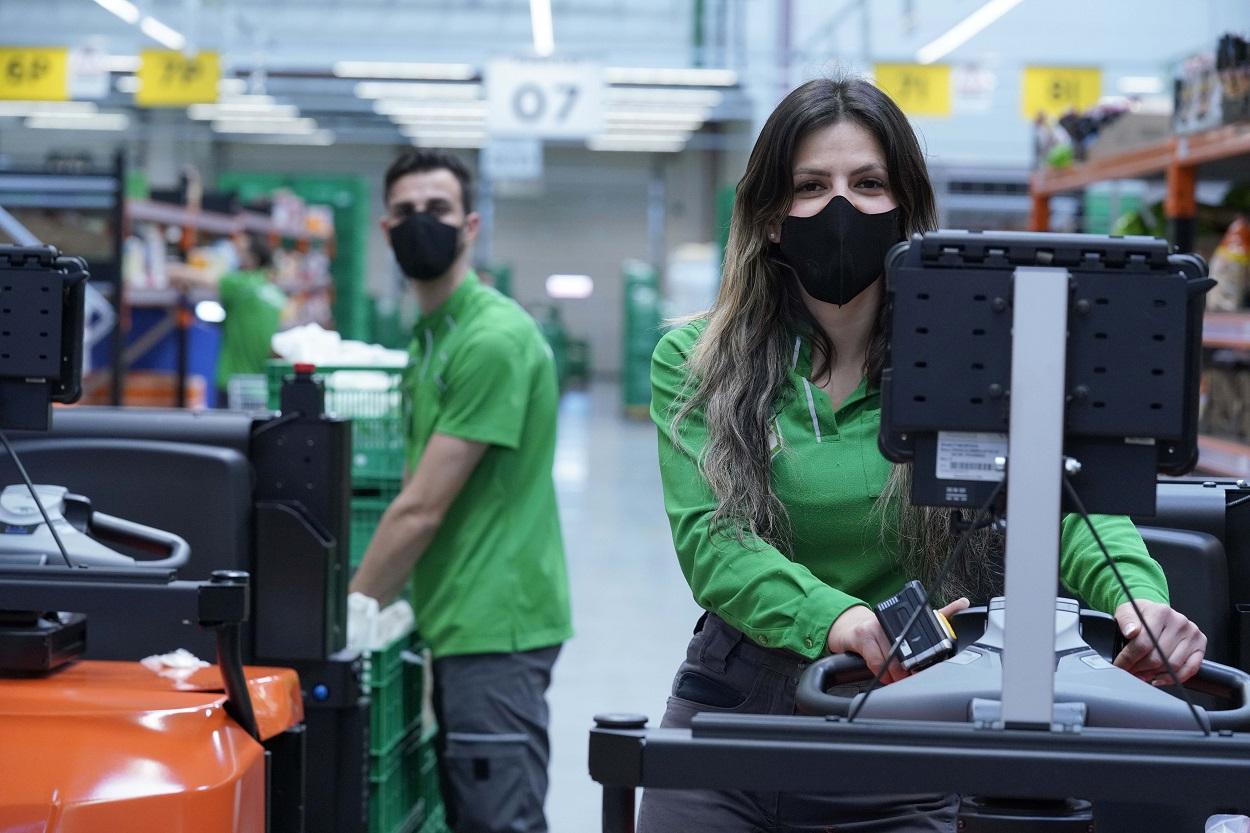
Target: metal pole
656 215
1034 467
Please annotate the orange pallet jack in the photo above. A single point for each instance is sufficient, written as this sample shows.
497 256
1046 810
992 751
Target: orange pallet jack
92 746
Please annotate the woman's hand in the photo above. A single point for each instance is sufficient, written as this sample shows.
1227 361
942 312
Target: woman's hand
1180 640
857 631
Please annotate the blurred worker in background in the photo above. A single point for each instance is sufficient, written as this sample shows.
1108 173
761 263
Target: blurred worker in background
476 524
253 304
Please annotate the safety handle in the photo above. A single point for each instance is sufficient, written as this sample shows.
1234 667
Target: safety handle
124 531
813 695
1227 683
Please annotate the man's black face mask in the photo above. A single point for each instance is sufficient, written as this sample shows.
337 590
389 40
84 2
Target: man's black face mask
837 253
424 246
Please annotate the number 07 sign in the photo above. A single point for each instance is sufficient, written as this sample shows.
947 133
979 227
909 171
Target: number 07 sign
544 99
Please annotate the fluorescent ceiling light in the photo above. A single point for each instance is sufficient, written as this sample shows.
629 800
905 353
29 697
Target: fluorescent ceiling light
1140 85
164 35
39 108
646 133
544 33
122 63
95 121
392 107
413 71
436 133
652 146
261 125
964 31
124 9
418 91
443 123
659 97
672 77
691 116
570 286
225 112
425 142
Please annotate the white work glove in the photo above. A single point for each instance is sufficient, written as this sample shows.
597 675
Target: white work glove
362 622
395 620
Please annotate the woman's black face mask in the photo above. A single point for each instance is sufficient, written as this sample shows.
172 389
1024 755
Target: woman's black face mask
424 246
837 253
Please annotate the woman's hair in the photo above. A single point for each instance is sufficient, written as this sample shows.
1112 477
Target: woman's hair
740 365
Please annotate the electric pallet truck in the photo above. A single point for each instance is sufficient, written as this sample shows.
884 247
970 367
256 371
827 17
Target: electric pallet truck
91 745
1029 375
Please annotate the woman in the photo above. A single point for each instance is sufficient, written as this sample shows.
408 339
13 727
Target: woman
787 521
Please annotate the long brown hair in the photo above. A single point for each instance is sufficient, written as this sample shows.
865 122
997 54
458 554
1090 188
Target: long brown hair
740 365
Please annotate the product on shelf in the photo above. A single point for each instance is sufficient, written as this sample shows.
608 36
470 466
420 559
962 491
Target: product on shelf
1213 89
1230 268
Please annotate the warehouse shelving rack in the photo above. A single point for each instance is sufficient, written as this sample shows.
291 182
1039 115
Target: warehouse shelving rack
1181 161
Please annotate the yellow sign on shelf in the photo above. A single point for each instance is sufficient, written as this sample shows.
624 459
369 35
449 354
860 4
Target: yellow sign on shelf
174 79
918 89
1055 90
34 73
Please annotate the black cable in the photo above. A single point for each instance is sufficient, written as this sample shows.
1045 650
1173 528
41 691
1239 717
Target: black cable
1119 577
964 538
34 495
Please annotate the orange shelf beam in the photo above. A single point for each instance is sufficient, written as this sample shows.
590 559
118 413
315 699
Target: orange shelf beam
1152 160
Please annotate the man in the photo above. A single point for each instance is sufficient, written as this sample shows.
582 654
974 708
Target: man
475 523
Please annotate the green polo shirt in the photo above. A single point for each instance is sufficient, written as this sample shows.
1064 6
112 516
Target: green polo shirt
493 579
253 308
828 472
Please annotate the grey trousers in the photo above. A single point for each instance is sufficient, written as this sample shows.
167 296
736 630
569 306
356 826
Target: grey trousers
492 739
727 673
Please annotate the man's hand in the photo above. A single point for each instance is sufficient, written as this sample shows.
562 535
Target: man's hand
1181 641
857 631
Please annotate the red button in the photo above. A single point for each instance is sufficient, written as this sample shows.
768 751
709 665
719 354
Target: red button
304 368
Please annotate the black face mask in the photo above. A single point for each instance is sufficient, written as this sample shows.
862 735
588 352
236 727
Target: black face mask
424 247
840 251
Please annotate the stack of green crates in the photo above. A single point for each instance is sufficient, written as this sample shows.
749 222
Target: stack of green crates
403 766
403 773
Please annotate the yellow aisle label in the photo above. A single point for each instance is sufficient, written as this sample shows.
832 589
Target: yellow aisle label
1055 90
173 79
34 73
918 89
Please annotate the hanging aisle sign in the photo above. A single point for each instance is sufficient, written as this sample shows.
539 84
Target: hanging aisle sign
34 73
918 89
544 99
1055 90
175 79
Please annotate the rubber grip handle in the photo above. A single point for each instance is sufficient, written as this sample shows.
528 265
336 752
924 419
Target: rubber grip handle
813 695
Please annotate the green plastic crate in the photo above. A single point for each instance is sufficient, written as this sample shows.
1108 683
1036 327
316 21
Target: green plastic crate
387 810
388 723
368 504
413 672
372 397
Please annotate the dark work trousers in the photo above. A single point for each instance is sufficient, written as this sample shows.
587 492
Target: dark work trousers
492 739
725 672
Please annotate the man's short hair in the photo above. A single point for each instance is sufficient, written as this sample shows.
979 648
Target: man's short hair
419 160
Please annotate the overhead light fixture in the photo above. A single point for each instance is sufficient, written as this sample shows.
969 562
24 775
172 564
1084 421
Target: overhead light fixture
671 77
394 107
256 124
93 121
540 23
124 9
1140 85
225 112
122 63
317 138
164 35
431 123
22 109
570 286
964 31
418 91
413 131
635 146
634 97
409 71
467 143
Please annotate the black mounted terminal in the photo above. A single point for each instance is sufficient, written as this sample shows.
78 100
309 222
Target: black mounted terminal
41 326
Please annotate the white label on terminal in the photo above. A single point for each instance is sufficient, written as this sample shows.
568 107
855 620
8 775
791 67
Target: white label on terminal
967 455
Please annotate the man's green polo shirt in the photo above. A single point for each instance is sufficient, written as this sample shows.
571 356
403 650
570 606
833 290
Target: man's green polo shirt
493 579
